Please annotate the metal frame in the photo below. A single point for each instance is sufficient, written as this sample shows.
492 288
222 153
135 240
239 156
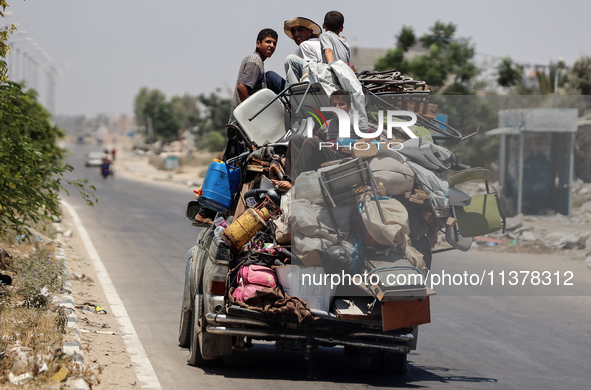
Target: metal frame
355 167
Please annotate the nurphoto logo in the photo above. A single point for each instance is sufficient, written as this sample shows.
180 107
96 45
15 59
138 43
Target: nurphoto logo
345 133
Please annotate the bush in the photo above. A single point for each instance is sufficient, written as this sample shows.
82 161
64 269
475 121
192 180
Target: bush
38 275
215 142
31 162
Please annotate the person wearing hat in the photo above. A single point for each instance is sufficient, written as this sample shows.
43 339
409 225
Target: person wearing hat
304 33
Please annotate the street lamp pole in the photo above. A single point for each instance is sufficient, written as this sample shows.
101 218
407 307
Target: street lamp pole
559 68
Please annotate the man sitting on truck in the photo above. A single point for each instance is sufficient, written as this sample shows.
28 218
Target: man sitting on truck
251 74
304 33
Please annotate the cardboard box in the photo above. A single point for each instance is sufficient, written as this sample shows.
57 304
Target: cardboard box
306 284
401 314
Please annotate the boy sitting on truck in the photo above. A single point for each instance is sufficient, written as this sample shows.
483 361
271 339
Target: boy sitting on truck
334 47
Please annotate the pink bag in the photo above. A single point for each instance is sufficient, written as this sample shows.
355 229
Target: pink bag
242 293
257 274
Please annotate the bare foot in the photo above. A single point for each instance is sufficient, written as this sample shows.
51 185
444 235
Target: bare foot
202 219
282 185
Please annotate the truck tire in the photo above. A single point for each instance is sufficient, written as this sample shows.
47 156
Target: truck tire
185 328
195 358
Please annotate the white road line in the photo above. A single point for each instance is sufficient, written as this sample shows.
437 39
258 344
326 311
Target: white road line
143 367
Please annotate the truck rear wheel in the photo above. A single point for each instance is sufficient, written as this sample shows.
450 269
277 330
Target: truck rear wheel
197 337
195 358
185 328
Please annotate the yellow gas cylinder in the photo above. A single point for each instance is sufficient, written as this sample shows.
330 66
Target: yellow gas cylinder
245 227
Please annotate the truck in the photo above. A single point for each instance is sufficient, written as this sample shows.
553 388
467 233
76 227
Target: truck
374 316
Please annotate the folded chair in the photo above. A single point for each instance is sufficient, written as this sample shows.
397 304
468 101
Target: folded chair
481 216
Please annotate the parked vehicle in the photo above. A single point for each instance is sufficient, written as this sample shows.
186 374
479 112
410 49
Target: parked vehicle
370 318
94 159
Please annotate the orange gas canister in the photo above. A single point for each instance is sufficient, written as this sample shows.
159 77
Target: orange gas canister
245 227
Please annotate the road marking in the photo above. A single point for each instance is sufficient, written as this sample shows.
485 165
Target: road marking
143 367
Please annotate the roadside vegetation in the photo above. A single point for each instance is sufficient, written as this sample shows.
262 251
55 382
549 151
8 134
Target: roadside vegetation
32 324
32 174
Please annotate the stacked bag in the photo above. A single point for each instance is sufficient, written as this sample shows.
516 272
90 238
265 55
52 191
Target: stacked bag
253 278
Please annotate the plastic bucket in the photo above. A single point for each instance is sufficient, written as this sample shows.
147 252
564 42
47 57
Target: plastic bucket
219 186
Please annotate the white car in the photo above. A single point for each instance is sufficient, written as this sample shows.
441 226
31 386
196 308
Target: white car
94 159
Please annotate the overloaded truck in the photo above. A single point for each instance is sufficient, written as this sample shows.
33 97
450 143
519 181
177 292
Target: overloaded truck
341 259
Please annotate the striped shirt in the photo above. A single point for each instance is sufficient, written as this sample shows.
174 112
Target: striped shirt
251 74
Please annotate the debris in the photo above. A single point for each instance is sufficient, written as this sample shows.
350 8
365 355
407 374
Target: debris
68 233
574 240
18 380
105 332
20 358
99 309
77 383
489 240
43 367
5 279
588 261
45 292
586 207
528 236
61 375
515 222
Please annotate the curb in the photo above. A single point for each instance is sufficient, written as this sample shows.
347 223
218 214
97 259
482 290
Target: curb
66 301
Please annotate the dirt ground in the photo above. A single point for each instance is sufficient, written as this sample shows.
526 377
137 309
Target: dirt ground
101 336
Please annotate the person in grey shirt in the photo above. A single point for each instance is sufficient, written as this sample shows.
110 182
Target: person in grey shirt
251 74
334 47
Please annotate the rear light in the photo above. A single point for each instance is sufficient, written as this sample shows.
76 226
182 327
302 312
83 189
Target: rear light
218 287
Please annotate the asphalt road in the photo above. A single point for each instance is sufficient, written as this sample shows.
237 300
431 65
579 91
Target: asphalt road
478 339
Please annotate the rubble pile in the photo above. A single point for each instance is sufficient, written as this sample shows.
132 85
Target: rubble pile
543 234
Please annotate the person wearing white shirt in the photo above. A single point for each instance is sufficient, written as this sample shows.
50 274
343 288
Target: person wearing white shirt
304 33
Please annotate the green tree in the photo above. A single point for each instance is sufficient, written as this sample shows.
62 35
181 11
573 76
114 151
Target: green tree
31 163
509 73
578 77
152 110
5 32
393 59
216 111
202 115
468 113
215 141
447 63
186 110
406 38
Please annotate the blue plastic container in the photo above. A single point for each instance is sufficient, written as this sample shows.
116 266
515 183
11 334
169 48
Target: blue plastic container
219 186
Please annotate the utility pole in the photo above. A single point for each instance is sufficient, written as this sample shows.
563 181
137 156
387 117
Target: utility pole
181 148
51 71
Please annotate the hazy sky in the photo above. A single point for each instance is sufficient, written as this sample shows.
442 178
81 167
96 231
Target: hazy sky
109 49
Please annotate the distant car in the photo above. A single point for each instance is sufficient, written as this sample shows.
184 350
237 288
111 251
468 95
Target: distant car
94 159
